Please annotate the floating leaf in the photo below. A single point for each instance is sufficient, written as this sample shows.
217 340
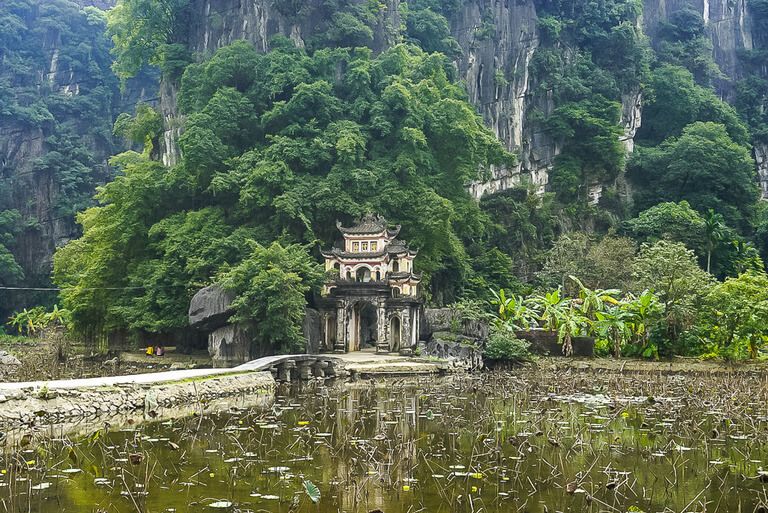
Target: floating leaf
220 505
313 492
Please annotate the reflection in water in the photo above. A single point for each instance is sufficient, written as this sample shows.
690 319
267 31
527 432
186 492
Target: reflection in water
488 443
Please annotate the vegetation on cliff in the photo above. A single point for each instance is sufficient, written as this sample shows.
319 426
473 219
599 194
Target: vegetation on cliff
276 146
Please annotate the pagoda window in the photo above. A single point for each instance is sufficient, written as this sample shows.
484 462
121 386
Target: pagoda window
373 246
395 266
395 292
378 275
355 247
364 246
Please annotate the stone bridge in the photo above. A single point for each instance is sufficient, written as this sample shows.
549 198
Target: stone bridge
297 366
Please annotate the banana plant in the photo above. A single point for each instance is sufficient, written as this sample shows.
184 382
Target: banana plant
592 301
570 323
615 325
550 309
513 310
644 311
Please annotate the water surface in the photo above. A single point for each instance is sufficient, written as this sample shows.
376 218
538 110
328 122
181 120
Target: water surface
530 441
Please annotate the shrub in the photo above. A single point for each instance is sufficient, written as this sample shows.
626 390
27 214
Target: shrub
504 345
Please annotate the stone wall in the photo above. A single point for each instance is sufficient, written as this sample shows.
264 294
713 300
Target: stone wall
546 343
31 407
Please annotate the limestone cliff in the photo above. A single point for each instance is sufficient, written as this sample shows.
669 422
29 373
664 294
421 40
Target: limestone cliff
494 64
498 40
55 129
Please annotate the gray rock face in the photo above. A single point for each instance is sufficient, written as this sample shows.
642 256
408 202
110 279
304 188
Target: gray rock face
459 353
230 345
493 65
447 320
210 308
312 330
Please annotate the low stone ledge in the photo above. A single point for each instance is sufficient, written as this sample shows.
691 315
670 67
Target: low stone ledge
39 406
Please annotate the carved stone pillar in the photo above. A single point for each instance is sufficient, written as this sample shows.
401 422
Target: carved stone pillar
405 337
382 341
341 328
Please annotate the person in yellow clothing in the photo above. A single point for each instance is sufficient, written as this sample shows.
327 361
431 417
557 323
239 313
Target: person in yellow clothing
150 350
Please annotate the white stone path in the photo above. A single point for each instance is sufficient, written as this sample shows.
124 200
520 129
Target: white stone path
361 361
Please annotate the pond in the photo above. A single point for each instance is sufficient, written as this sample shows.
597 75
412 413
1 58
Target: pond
528 441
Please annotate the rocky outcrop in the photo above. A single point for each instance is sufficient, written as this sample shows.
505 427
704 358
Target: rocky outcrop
449 336
312 330
459 351
449 320
230 345
210 308
494 67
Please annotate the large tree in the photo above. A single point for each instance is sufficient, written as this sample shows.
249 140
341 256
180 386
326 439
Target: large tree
278 146
705 167
670 270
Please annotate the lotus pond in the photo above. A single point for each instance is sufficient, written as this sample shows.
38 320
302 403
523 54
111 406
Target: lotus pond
532 440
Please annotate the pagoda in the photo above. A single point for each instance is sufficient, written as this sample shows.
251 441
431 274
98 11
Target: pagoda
372 299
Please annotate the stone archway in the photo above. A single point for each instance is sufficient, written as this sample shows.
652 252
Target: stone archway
368 325
363 326
395 334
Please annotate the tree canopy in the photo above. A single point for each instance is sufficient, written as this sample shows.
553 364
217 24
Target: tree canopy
278 146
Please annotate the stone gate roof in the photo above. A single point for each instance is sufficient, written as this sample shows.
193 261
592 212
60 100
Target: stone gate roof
370 224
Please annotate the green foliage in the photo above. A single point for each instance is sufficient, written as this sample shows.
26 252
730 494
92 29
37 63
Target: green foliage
671 271
503 345
674 101
144 32
684 41
10 271
734 322
144 128
703 166
595 156
600 262
271 284
670 221
278 146
430 29
521 224
30 322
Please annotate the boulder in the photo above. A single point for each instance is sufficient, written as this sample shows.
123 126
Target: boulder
8 359
230 345
456 349
312 330
210 308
